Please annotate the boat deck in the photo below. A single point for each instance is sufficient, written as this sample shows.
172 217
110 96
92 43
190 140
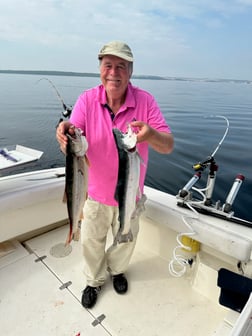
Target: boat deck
35 301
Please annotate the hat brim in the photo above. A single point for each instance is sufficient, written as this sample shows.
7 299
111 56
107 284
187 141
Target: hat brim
123 56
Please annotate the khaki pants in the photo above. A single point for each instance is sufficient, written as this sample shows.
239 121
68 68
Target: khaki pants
98 219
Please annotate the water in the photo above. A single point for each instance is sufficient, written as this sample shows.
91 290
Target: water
30 111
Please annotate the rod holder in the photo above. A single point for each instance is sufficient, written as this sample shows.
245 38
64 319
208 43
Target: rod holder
184 192
233 193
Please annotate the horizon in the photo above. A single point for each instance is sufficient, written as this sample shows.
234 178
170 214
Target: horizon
137 76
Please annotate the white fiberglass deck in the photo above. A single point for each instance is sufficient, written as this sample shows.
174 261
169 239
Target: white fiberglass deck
32 303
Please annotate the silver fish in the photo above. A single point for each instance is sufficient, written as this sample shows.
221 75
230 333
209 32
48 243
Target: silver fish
127 188
75 181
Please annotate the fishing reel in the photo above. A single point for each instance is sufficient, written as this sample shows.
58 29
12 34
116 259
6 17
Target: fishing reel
67 111
199 167
66 114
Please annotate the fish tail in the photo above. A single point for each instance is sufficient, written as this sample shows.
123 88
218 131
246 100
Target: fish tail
123 238
64 199
70 234
69 238
76 234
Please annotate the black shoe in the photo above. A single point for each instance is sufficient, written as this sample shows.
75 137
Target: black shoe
89 296
120 283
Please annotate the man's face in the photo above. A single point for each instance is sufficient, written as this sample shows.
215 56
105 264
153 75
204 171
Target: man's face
115 74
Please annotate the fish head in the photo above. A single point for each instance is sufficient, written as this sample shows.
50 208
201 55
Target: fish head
126 141
78 144
129 138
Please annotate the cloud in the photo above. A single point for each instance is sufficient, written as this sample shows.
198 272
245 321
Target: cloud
55 21
160 32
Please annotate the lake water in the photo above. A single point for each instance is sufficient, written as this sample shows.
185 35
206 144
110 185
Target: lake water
30 111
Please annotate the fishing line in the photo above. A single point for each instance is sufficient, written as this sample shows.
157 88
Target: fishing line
67 109
224 135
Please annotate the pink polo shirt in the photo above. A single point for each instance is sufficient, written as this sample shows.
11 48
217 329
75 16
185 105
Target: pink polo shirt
94 119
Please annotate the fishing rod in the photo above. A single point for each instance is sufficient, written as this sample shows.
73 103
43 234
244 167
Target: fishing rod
211 163
67 110
206 205
202 165
224 135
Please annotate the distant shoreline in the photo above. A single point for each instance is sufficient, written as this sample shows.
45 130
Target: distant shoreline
150 77
69 73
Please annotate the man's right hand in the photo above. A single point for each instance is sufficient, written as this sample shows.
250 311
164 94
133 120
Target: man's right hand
63 128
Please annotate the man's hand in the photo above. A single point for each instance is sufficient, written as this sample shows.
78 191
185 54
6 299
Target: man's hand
162 142
63 128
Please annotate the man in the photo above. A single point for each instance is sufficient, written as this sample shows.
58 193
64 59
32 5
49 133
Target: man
113 104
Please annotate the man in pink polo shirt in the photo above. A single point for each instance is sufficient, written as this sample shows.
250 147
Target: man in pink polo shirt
113 104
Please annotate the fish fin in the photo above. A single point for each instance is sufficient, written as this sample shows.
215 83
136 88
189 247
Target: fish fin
139 193
140 206
64 200
81 164
87 160
123 238
69 237
76 235
141 159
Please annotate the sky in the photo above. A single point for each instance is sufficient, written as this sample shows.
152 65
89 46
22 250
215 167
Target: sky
175 38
